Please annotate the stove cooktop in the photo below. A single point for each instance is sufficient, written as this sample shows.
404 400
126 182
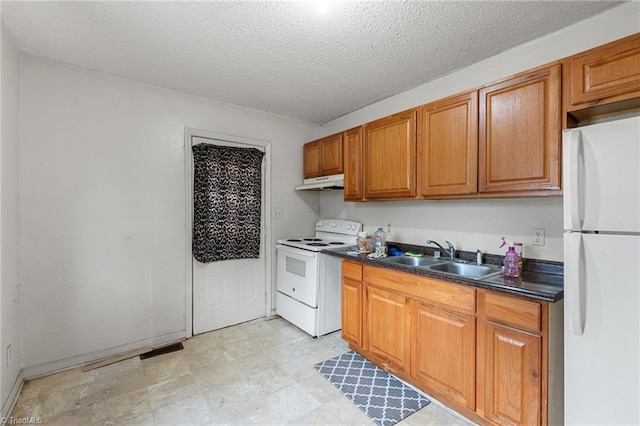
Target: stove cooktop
330 234
313 243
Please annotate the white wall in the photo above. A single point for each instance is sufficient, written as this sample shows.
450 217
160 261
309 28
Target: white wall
102 192
9 285
472 224
469 224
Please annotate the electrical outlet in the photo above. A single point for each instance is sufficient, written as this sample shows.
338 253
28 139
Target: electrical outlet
537 236
277 213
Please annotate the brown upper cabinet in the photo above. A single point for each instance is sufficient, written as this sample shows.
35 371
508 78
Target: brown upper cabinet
323 157
501 140
519 138
448 146
353 189
390 157
311 160
604 79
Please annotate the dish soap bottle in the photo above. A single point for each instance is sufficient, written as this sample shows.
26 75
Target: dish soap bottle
380 238
520 251
511 260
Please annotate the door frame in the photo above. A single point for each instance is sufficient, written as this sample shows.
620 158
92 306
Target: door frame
190 133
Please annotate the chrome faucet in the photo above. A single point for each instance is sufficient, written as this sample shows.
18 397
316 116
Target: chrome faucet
451 250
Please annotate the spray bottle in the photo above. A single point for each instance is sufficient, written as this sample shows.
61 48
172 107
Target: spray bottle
511 260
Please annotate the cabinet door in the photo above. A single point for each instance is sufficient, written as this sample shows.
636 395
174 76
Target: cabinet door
448 146
443 355
519 139
387 328
353 164
512 375
390 157
311 159
605 74
331 155
352 311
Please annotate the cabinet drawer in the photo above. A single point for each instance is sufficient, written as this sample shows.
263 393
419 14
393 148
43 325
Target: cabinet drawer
432 291
352 270
525 314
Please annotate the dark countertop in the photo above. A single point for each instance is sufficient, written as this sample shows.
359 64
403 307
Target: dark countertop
540 280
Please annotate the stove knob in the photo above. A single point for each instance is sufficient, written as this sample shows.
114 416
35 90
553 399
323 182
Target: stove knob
333 225
320 224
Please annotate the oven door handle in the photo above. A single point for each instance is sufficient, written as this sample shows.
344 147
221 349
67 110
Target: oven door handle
295 251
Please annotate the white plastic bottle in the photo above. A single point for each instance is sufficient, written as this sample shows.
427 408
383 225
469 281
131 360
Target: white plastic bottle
511 260
380 238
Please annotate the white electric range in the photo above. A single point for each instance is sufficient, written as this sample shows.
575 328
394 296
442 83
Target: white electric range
308 281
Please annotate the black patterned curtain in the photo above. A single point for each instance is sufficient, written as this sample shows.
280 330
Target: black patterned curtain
227 194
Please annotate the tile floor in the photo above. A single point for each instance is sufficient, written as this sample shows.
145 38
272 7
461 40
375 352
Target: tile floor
260 372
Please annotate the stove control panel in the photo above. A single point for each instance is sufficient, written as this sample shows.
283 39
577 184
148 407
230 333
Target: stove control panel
339 226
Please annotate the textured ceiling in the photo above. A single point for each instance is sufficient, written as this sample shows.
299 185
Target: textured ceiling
284 57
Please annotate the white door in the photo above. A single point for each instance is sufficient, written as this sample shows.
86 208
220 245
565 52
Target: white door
229 292
602 329
601 178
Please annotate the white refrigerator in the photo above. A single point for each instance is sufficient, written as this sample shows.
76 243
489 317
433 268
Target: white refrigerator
601 184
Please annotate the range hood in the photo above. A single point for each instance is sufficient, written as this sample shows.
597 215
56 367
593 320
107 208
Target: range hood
322 182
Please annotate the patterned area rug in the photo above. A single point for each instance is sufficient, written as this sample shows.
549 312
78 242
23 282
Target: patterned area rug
382 397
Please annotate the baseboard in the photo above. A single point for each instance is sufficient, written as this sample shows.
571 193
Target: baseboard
12 398
74 361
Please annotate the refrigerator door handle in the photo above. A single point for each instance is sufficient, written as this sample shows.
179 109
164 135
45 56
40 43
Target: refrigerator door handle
572 176
575 281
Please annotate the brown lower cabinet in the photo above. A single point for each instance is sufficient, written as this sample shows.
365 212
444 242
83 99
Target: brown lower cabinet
443 356
352 303
387 328
513 375
492 357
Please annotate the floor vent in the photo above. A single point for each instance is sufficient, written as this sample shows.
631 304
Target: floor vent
163 350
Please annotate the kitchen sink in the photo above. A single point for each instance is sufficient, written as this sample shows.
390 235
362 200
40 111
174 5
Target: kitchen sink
412 261
465 269
447 266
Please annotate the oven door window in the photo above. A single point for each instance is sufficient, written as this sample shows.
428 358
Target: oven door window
297 275
295 266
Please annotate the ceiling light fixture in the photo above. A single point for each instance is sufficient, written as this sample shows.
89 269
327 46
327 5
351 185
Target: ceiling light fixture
322 7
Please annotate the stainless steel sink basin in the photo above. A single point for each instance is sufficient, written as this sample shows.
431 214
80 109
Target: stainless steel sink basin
412 261
465 269
447 266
